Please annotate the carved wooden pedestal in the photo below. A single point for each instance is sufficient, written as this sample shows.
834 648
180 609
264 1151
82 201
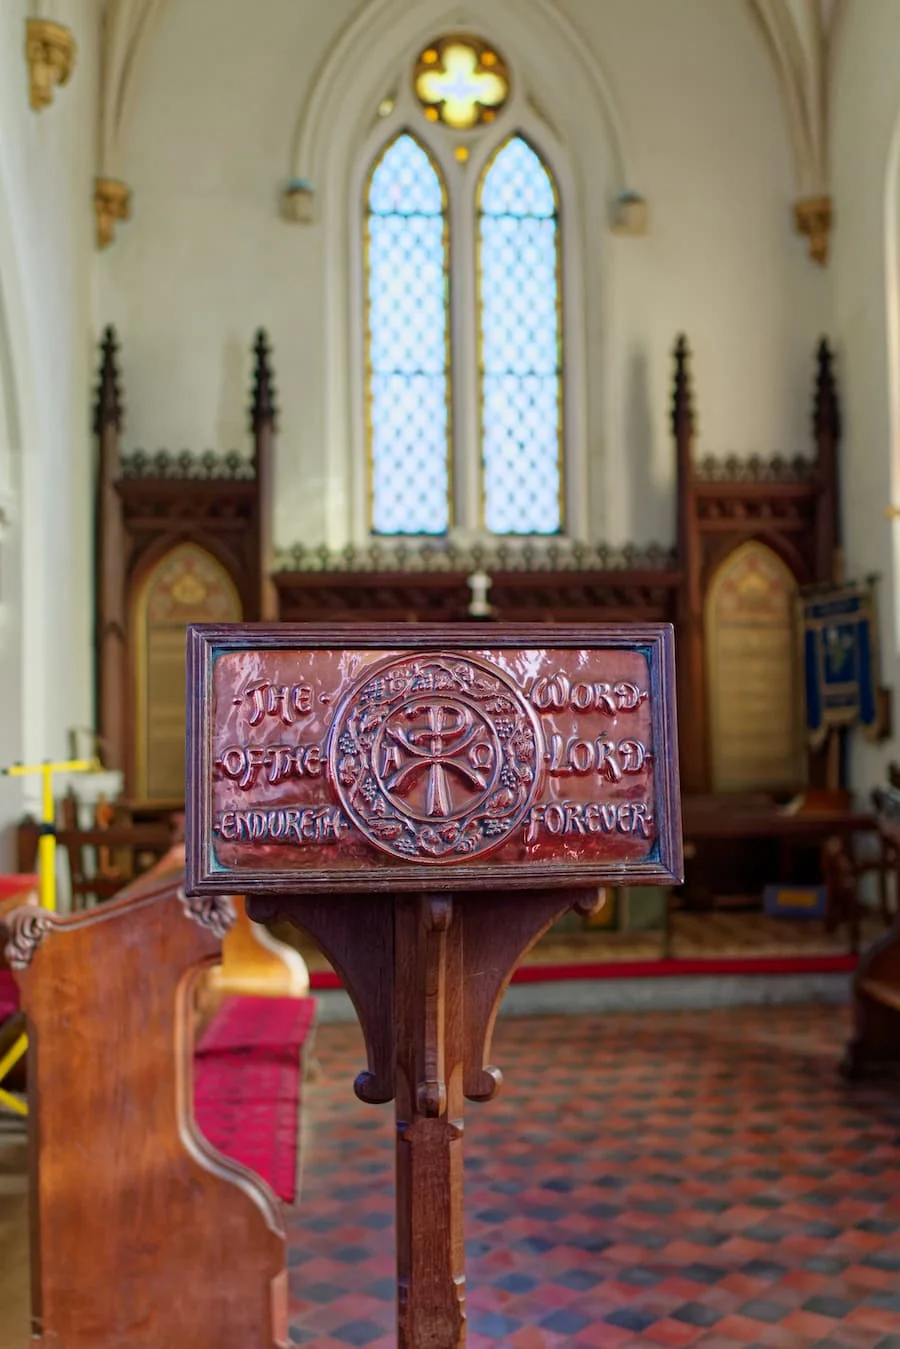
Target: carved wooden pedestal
424 804
427 974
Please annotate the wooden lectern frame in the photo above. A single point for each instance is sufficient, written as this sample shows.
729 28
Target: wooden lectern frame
208 643
425 803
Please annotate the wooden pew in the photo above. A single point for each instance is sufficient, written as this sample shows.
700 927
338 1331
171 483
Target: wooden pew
256 964
875 1043
143 1236
101 859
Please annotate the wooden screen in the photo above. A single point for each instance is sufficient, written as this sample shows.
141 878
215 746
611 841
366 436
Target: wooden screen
187 585
756 737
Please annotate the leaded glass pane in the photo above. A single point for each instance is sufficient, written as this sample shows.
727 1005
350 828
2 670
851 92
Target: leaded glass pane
461 81
519 317
407 365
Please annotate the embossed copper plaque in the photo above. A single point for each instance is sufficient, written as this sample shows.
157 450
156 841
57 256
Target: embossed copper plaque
421 757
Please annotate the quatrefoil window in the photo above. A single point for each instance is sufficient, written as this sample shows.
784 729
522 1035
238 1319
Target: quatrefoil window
461 81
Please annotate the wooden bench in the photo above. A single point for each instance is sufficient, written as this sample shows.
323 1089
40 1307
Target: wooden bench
143 1234
875 1043
103 858
257 1022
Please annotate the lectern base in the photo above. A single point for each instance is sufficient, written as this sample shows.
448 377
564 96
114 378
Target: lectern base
426 974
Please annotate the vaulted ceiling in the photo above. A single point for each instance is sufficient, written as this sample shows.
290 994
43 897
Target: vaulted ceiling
127 29
801 36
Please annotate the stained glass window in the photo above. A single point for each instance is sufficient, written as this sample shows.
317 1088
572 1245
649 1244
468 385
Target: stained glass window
407 342
519 318
461 81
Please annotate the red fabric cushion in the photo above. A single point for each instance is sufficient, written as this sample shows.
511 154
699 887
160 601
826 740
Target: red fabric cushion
21 883
276 1025
248 1106
247 1083
9 995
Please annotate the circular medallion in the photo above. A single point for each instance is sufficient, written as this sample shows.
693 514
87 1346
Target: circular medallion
435 758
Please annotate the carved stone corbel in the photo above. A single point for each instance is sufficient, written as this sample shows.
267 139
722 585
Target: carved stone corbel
813 217
112 203
298 202
50 53
629 215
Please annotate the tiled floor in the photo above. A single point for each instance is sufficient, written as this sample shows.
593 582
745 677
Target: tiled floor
692 1178
676 1179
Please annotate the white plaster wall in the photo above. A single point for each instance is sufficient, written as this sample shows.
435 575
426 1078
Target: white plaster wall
46 335
721 263
866 109
207 258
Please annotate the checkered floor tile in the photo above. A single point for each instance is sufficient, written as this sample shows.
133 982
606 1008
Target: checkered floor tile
658 1179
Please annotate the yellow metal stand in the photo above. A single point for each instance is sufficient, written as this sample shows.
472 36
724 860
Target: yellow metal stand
7 1063
46 881
47 841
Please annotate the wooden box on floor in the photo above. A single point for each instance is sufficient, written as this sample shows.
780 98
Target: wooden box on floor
143 1236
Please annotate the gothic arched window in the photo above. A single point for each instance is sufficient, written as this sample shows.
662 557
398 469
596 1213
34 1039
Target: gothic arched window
519 332
408 350
464 325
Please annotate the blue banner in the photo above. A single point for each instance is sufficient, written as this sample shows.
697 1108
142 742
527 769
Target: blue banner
839 661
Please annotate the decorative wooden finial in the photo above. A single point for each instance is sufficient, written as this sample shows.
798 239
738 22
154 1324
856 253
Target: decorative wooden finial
682 406
827 434
263 411
108 403
826 408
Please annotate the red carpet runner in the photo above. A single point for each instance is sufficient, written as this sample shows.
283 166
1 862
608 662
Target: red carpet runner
247 1082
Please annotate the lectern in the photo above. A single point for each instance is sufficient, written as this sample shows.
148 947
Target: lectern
425 802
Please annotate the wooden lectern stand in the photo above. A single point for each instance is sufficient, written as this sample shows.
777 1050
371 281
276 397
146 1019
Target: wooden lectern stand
425 807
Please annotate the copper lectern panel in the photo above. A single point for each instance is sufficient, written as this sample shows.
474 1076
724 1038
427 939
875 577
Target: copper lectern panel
448 758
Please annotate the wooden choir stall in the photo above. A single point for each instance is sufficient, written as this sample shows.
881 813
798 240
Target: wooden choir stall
186 538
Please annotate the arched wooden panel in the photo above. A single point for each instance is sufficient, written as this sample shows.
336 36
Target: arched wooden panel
756 730
187 585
